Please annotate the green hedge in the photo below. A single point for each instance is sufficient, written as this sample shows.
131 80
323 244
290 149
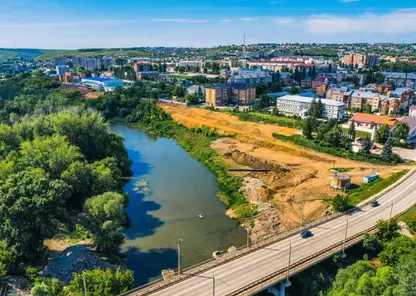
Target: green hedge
340 152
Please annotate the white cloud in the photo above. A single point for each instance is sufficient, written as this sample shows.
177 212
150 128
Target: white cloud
284 20
349 1
249 19
172 20
396 22
226 21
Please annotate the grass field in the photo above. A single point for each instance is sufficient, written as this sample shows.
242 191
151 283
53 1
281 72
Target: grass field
367 190
410 219
358 134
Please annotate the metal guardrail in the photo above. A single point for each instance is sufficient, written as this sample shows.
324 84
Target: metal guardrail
199 268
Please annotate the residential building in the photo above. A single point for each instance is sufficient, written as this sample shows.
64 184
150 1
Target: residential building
90 64
243 94
390 106
321 89
412 111
71 77
306 83
401 79
185 63
60 61
405 96
354 59
102 84
108 74
340 94
61 69
147 75
226 74
193 90
299 106
142 66
218 95
250 76
367 122
372 61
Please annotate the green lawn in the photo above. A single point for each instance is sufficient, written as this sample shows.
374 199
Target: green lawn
410 219
274 117
358 134
365 191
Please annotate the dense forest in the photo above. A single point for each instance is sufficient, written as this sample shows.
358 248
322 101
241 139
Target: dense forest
60 168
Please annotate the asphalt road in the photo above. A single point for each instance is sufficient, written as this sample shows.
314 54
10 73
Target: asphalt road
238 273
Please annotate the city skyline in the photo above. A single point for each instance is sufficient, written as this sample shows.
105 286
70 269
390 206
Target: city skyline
85 24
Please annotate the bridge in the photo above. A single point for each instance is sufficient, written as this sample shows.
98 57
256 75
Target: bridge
259 267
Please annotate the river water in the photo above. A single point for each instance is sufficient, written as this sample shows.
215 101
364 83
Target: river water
168 191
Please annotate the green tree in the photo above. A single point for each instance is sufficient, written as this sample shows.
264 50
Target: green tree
308 127
382 134
106 220
333 137
351 130
101 282
367 108
366 146
294 90
387 151
401 131
40 290
407 275
341 203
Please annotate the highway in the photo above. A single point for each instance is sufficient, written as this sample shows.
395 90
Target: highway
233 275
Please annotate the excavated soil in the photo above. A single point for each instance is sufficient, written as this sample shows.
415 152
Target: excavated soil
298 175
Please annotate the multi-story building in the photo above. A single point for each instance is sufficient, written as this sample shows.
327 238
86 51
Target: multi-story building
60 61
90 64
243 94
71 77
372 61
401 79
186 63
218 95
367 122
405 96
340 94
61 69
299 106
390 106
250 76
354 59
147 75
141 66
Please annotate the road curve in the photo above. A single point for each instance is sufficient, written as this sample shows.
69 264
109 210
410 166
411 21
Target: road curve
231 276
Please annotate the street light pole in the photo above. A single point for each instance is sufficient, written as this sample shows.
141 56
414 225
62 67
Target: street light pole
343 255
85 285
391 212
179 255
213 284
288 283
248 238
302 213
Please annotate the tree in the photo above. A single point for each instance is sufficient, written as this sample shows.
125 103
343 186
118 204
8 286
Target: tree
102 282
333 137
341 203
294 90
367 108
40 290
382 134
308 127
407 275
401 131
387 151
366 146
319 109
351 130
178 91
106 220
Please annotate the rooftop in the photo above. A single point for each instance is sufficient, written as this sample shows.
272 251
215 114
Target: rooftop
309 100
411 122
100 79
380 120
413 108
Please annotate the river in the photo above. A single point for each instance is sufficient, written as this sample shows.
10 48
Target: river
168 191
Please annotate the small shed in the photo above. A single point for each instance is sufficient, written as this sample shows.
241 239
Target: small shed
340 180
370 178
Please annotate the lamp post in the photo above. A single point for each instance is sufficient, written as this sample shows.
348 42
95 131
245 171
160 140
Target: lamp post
248 238
302 213
343 255
391 212
288 283
179 255
213 284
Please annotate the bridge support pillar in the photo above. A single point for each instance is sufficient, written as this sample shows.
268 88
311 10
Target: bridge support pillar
273 290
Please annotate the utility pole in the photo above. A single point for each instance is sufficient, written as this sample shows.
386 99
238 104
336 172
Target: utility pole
85 285
213 284
343 255
288 283
302 213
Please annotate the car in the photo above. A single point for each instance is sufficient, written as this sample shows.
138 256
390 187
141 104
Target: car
306 233
374 204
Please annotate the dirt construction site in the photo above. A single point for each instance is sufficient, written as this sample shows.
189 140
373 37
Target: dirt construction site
298 177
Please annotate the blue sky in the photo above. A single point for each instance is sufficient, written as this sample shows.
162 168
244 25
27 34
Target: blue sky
128 23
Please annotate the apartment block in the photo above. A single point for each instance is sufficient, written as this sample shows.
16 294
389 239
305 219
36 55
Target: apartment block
218 95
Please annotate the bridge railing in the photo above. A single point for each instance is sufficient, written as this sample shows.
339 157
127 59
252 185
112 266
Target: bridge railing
204 266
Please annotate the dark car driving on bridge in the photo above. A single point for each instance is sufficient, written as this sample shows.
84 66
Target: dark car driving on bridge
306 233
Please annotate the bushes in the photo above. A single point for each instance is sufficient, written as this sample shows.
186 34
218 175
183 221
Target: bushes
341 203
320 146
